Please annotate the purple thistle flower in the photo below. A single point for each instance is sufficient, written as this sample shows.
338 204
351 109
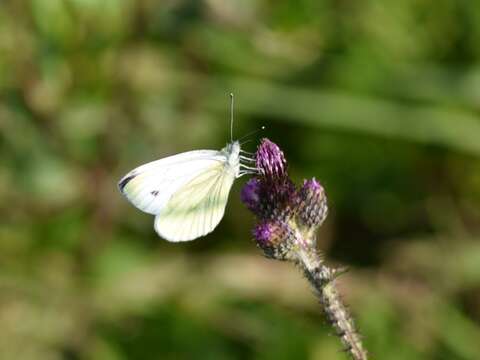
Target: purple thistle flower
312 186
270 160
271 196
263 233
286 228
275 238
250 194
280 207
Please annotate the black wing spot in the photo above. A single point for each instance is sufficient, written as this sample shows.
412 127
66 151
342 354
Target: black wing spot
154 192
125 181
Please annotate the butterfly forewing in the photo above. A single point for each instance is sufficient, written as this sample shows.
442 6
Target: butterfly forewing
150 186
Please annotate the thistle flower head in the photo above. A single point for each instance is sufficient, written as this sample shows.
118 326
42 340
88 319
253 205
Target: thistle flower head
270 160
275 238
287 216
263 233
269 198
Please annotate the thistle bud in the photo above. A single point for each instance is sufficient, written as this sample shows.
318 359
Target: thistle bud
270 160
312 207
275 239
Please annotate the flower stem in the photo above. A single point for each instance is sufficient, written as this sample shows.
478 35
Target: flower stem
322 279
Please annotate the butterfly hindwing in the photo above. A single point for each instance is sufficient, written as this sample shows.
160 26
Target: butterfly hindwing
197 207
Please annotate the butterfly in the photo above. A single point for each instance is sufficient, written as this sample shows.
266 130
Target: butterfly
187 192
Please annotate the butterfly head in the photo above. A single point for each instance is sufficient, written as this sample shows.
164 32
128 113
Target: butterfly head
240 160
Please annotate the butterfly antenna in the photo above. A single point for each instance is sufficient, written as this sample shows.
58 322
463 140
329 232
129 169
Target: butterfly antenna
231 117
252 133
245 142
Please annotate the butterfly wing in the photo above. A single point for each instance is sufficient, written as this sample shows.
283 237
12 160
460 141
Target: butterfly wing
197 207
150 187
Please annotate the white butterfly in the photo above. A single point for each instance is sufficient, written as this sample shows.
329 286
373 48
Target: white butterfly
187 192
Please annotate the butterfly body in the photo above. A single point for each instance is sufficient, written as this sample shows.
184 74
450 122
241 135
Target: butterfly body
187 192
232 153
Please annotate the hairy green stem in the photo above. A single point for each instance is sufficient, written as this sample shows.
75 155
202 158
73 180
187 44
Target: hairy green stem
322 279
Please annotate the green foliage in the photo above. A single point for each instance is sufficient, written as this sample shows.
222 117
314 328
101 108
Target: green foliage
377 100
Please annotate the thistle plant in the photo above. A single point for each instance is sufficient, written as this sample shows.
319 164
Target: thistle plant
288 219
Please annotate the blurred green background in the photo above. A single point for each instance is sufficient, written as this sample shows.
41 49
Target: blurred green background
380 100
